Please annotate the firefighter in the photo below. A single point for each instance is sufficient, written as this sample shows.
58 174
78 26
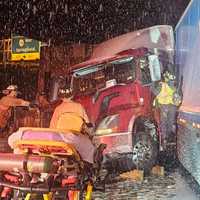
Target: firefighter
167 101
71 116
67 126
6 103
42 101
67 106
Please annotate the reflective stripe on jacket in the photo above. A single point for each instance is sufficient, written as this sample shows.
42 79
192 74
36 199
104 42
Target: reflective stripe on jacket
166 94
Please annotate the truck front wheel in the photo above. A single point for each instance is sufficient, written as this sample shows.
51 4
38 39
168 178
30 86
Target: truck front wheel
145 151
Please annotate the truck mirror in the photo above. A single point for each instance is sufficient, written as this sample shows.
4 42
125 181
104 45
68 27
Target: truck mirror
154 67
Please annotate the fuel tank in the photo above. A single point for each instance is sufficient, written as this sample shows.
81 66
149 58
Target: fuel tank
29 163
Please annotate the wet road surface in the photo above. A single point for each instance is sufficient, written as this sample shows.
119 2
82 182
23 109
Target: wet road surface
170 187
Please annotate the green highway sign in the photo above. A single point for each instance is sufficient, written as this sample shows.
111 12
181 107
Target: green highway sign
25 49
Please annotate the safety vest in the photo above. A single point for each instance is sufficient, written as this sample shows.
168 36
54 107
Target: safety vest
166 94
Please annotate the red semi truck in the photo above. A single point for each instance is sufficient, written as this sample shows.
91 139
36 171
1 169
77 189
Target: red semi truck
115 87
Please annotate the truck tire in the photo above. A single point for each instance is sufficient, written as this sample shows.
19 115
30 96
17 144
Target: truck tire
145 148
145 151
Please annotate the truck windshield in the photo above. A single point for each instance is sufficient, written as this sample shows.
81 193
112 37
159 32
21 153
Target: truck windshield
93 78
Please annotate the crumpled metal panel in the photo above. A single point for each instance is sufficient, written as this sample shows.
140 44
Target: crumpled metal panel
160 37
116 143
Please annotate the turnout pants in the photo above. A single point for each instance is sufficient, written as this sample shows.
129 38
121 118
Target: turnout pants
167 120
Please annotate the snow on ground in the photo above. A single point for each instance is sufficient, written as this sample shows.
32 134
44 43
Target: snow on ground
183 190
170 187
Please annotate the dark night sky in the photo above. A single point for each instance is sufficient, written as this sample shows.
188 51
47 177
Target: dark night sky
90 21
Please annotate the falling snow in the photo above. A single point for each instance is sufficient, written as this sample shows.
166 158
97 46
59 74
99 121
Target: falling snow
90 21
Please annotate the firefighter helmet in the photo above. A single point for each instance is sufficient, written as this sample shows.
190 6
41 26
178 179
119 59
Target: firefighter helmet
9 89
12 87
168 76
65 92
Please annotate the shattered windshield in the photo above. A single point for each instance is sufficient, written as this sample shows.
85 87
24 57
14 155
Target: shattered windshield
89 80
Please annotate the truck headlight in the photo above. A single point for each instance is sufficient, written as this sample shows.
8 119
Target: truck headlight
108 125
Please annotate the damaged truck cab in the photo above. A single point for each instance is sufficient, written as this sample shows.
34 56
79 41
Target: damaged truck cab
116 88
116 92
